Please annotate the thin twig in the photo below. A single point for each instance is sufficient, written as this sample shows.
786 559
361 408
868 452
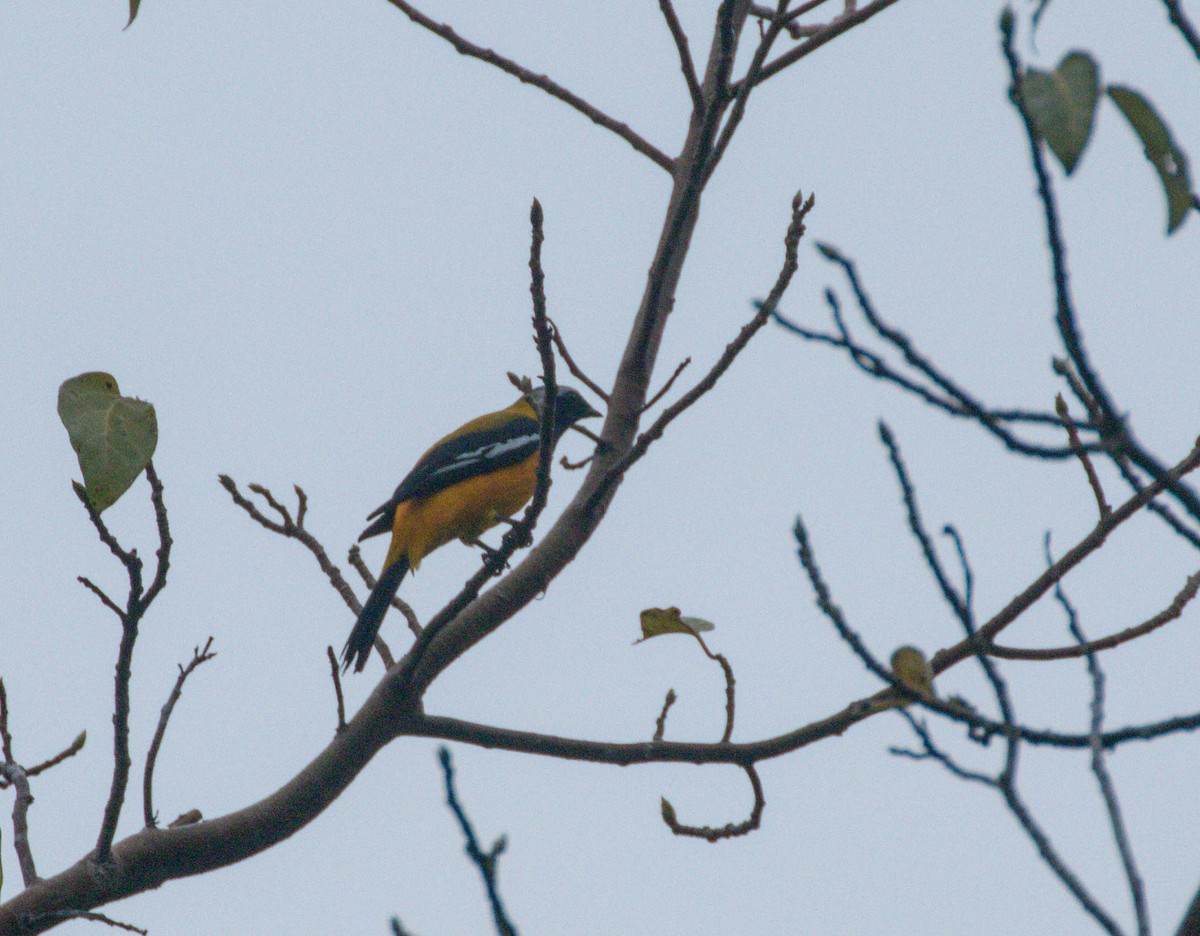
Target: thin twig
487 862
730 704
660 724
667 386
1108 791
574 368
69 751
5 736
337 689
1005 783
1183 24
685 56
292 529
741 96
199 656
354 557
99 593
831 32
91 917
463 47
871 364
136 606
15 775
732 830
575 466
800 210
916 525
1168 614
163 553
1085 547
1060 407
520 533
133 565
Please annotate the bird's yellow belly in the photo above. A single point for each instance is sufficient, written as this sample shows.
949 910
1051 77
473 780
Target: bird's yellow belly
464 511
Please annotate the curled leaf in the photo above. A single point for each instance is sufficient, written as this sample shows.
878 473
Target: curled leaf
1167 159
656 621
114 436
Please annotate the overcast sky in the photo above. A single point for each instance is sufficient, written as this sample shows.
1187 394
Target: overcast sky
301 231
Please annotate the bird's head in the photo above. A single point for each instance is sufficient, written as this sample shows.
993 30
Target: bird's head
569 407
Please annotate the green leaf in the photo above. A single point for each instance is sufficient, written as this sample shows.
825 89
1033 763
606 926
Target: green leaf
114 436
1167 159
1062 105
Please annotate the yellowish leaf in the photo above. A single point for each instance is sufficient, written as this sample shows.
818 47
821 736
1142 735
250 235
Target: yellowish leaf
657 621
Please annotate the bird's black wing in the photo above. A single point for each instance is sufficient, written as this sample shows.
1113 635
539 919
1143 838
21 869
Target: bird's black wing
457 459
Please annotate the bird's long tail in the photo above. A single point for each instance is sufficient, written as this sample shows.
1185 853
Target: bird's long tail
362 638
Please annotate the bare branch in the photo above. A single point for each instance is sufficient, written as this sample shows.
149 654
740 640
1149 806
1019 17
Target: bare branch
660 724
163 553
666 388
520 533
69 751
946 395
293 529
199 656
732 830
1168 614
800 210
337 689
1108 791
574 368
1060 406
685 55
1005 783
486 862
354 557
64 915
133 565
730 705
831 32
1081 550
99 593
1176 15
741 96
463 47
15 775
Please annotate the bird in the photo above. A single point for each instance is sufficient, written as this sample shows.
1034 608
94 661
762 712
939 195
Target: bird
480 474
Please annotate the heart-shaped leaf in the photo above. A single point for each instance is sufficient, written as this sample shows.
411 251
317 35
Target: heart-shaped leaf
114 436
1167 159
1062 105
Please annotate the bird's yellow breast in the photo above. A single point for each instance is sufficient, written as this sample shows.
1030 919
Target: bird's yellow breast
462 511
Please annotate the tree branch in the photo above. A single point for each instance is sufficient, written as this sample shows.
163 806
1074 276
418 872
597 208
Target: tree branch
487 862
463 47
685 54
198 656
831 32
732 830
1168 614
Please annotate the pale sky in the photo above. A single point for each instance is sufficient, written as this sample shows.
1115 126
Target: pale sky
302 233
